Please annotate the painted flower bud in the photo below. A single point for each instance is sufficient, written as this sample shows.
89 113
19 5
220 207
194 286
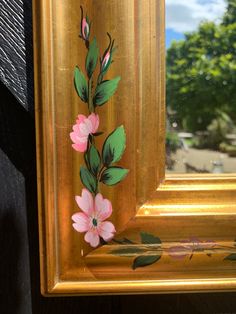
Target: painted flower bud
85 26
106 59
85 29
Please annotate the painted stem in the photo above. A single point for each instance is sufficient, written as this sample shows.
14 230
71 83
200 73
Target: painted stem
160 249
90 96
100 173
100 78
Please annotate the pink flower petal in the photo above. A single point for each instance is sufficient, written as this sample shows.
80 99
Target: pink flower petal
81 222
106 59
178 251
106 230
92 238
89 125
81 147
85 28
78 139
209 244
73 137
103 207
76 128
85 202
78 133
80 118
84 128
94 118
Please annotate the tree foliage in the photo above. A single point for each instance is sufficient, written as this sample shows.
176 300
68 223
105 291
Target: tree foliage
201 73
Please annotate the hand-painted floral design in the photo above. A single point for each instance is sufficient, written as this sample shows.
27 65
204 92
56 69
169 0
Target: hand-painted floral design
85 26
178 251
151 249
189 247
82 129
100 167
85 29
106 59
92 218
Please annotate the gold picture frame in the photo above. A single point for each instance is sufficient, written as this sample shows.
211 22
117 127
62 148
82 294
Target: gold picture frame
185 224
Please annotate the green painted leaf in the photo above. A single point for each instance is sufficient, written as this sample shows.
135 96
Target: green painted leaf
86 160
231 257
129 251
145 260
88 180
80 84
92 58
105 90
114 146
113 175
94 160
147 238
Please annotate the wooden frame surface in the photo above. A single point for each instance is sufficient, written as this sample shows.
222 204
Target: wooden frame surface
192 209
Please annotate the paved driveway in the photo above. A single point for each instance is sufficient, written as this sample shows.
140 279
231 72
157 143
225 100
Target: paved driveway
202 159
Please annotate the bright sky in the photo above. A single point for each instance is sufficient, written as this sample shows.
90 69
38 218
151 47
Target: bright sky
185 15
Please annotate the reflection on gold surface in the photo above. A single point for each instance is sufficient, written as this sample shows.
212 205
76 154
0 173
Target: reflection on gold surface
200 87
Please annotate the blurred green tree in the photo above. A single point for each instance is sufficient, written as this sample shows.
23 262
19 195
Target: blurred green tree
201 73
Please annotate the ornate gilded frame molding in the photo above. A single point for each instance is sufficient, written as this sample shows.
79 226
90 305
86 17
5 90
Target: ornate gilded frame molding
186 221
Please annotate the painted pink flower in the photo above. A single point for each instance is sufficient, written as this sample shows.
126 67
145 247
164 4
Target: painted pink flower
81 130
92 218
179 251
188 247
